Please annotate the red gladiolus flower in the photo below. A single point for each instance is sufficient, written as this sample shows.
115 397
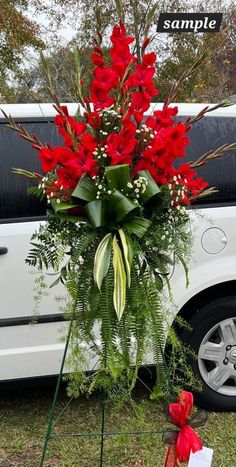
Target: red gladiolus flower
120 52
106 76
67 178
81 165
49 158
139 104
64 155
97 59
146 43
175 137
69 127
93 118
121 58
83 160
149 59
64 109
194 186
150 91
144 164
142 76
162 118
155 151
99 96
88 142
120 147
119 36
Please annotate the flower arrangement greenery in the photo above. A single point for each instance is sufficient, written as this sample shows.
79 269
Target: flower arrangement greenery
117 211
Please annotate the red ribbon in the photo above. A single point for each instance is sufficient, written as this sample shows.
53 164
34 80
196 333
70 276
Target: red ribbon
187 439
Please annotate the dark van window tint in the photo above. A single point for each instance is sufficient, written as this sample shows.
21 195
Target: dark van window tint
211 133
15 152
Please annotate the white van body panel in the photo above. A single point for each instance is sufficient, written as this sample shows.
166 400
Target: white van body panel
208 269
17 279
48 110
28 350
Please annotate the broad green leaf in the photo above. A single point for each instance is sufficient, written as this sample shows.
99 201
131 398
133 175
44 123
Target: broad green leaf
119 293
102 260
96 211
62 206
127 253
118 176
85 189
121 207
152 189
138 226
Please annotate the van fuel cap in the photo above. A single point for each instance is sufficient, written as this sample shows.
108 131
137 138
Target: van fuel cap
214 240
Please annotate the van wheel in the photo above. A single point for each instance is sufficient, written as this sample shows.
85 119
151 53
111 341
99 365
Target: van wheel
213 338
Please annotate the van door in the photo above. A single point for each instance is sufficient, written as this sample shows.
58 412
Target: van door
25 350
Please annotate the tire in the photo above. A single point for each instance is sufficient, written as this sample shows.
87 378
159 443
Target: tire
213 338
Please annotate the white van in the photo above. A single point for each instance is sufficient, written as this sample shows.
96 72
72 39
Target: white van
209 303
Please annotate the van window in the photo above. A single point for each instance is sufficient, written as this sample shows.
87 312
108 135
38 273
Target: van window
211 133
15 203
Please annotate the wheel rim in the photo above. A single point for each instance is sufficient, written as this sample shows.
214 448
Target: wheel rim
217 357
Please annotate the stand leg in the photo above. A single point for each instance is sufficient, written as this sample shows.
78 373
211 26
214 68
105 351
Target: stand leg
102 431
50 423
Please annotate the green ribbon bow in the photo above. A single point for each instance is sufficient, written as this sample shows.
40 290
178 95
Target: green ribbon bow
112 213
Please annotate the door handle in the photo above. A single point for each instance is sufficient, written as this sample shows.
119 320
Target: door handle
3 250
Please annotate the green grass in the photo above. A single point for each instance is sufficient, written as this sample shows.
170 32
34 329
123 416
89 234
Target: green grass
23 421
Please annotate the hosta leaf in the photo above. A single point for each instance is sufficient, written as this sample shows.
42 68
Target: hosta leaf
127 253
102 260
119 293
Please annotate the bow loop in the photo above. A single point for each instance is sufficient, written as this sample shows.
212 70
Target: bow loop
187 441
180 411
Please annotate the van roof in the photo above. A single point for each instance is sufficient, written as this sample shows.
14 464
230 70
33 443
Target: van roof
48 111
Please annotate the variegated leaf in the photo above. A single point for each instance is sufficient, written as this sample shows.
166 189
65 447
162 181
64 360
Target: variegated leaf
119 293
127 253
102 260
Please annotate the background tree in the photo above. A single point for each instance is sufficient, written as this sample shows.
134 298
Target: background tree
18 34
178 51
214 80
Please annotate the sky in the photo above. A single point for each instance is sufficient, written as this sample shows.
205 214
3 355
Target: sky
66 32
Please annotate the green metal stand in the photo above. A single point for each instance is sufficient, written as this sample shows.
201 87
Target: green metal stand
52 411
102 434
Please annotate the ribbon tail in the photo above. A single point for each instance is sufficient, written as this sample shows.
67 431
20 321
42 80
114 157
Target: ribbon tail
171 459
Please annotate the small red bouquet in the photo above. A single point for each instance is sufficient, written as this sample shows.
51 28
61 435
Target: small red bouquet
184 439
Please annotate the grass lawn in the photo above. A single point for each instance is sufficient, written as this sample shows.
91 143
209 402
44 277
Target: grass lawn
23 420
